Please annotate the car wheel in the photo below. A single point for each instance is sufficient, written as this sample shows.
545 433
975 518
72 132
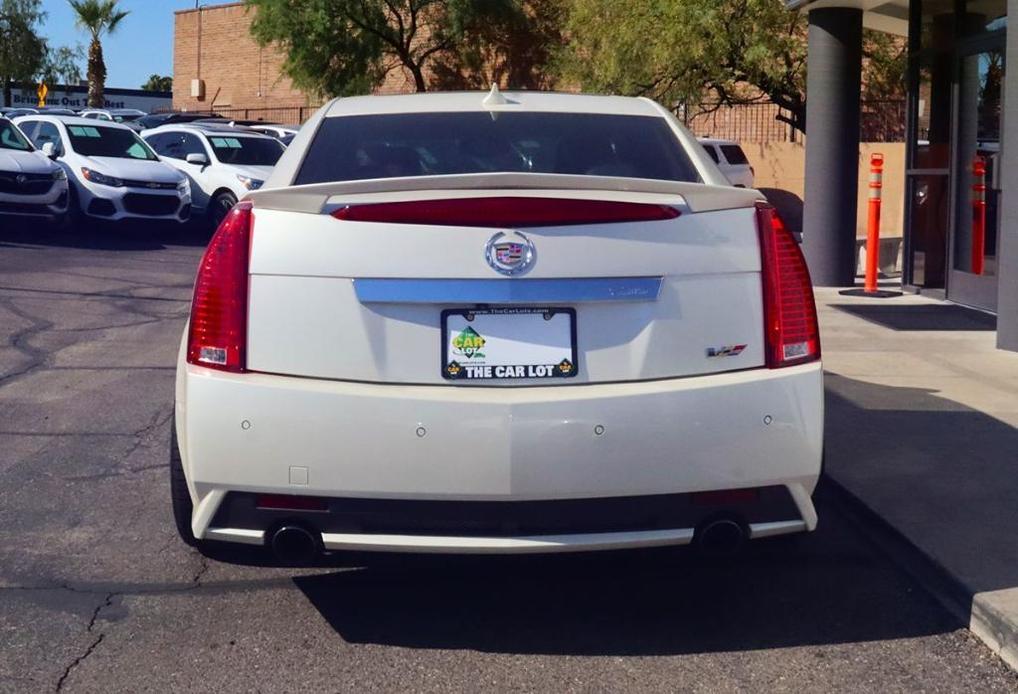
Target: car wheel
180 497
220 207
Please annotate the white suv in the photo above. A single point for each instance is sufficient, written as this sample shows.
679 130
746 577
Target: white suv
503 323
731 159
114 175
222 162
31 185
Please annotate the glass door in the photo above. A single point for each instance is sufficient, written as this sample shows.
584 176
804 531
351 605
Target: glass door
979 101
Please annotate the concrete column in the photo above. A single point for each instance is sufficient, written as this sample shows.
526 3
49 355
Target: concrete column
833 77
1007 243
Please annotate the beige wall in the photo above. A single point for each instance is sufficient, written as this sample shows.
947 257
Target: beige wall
215 44
781 165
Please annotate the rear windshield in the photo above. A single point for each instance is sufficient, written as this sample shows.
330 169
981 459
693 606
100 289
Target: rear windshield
350 148
11 137
734 154
100 141
252 151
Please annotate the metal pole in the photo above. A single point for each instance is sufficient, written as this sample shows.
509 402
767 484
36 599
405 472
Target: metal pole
832 146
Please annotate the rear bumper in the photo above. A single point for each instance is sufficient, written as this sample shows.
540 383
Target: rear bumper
262 434
537 544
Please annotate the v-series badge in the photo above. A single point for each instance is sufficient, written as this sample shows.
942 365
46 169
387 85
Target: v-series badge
725 351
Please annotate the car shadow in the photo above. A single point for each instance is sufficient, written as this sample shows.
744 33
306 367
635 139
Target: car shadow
940 473
129 236
924 317
829 587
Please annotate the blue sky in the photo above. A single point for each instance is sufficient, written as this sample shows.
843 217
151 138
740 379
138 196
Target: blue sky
141 46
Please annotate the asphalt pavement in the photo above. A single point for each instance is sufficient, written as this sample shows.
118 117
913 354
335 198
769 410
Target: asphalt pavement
97 594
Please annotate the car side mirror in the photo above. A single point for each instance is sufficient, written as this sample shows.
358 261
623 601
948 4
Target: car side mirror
196 158
50 150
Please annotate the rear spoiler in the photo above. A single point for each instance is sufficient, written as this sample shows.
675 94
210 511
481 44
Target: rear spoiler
314 198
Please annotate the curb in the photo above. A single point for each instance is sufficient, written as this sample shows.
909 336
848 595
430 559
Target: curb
975 611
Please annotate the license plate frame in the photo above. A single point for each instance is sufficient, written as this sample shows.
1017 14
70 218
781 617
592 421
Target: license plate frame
455 368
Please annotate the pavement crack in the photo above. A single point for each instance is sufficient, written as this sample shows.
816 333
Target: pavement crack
78 661
19 341
202 570
107 602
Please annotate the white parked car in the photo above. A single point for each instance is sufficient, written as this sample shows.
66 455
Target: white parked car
280 132
31 186
127 116
114 175
222 162
732 161
521 322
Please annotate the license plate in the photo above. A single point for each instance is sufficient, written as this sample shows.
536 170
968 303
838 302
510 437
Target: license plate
509 343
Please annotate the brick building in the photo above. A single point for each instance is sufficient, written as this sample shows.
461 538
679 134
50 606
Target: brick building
218 66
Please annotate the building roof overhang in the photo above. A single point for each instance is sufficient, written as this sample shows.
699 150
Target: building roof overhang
888 16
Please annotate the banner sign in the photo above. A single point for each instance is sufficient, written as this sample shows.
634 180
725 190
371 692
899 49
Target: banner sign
77 98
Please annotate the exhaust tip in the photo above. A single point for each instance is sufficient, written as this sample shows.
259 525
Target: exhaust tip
721 537
294 544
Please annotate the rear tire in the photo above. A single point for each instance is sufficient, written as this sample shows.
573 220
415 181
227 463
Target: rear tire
220 207
180 497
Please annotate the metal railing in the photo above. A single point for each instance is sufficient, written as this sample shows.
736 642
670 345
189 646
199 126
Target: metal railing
880 121
285 115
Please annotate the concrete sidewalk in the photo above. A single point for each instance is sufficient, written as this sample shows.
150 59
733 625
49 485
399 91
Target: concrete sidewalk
922 430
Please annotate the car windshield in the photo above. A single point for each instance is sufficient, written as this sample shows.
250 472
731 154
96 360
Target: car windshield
100 141
11 138
429 144
251 151
127 117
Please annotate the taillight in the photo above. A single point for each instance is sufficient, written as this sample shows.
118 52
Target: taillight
791 332
506 212
217 336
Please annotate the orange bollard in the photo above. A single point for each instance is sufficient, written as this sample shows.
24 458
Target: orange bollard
978 214
873 224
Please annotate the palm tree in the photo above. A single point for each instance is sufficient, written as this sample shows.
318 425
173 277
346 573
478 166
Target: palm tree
98 17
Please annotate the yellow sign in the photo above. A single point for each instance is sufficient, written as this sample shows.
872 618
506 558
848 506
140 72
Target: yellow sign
42 91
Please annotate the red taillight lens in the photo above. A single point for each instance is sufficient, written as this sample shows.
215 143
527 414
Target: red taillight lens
506 212
217 336
791 332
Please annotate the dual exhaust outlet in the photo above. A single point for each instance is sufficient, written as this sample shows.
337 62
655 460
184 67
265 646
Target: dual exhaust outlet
718 537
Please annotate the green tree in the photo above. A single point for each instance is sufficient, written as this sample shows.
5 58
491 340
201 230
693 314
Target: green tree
513 52
99 18
158 83
692 51
61 66
22 51
342 47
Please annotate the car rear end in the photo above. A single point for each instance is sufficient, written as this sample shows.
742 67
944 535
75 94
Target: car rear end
535 357
736 165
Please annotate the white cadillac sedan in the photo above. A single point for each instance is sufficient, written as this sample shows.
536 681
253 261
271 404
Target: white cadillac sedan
497 323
